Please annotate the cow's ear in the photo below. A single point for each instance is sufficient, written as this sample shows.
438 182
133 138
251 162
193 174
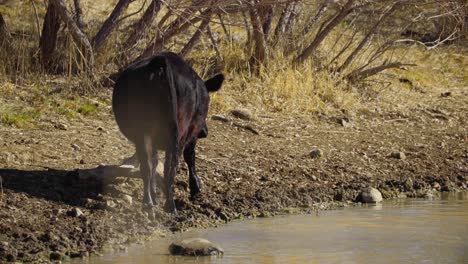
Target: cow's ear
213 84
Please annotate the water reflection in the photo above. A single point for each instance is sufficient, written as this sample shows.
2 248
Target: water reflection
400 231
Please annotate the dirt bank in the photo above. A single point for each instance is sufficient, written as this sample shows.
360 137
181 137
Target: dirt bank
48 212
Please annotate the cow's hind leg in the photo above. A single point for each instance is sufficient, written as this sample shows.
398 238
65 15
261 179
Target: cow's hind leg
189 157
154 181
170 169
144 152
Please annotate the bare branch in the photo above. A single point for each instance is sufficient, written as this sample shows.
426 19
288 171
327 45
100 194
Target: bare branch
196 36
109 25
323 33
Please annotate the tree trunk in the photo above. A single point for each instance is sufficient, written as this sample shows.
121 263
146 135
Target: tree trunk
79 15
140 28
3 29
78 36
314 19
267 20
259 58
283 20
48 40
196 36
109 25
345 10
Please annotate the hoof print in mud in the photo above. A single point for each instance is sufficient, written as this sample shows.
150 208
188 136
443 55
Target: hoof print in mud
194 247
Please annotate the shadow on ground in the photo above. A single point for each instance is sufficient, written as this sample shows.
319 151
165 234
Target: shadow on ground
56 185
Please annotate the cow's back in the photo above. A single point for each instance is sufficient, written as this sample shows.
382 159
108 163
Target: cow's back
141 101
152 95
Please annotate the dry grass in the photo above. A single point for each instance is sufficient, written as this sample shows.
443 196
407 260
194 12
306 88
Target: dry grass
279 88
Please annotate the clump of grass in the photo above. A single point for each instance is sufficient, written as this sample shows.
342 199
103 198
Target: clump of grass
279 87
19 120
87 109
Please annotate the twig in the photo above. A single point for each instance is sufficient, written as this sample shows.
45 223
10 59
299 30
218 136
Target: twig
37 20
213 42
132 14
246 127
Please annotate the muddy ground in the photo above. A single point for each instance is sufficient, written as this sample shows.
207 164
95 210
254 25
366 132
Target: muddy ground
49 212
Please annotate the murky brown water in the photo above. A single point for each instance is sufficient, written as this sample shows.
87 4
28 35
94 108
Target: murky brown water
406 231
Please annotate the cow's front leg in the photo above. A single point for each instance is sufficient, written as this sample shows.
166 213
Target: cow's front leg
195 182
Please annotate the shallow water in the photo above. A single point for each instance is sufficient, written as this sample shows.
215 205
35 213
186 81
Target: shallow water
404 231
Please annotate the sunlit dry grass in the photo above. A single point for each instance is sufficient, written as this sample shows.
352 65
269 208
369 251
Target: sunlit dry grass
279 88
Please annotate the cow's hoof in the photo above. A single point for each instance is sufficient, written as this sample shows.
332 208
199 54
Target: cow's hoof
194 195
169 207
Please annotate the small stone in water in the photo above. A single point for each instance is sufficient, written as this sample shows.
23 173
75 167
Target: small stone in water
194 247
371 195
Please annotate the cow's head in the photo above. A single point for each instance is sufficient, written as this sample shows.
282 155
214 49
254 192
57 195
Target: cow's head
212 85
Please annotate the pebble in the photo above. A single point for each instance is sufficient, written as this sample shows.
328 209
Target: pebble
316 153
110 204
398 155
194 247
371 195
75 212
61 126
127 198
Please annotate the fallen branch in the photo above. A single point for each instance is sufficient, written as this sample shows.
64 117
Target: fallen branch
359 75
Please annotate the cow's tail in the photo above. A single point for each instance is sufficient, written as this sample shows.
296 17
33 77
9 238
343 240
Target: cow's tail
161 66
164 71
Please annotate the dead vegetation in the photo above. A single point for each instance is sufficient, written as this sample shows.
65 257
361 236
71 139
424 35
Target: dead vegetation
279 55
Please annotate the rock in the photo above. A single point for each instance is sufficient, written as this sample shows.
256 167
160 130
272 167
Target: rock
371 195
344 122
446 94
55 256
110 204
219 118
398 155
316 153
75 212
127 198
408 184
436 186
402 196
75 147
194 247
61 126
242 113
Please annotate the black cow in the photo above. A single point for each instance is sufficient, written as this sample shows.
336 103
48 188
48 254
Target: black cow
160 103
